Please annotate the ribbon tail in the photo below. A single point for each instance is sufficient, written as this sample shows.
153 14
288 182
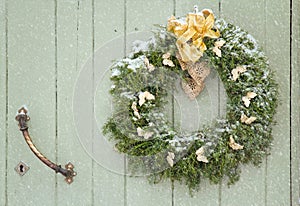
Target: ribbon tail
188 53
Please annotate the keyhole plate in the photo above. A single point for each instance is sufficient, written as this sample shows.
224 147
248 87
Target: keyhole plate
22 168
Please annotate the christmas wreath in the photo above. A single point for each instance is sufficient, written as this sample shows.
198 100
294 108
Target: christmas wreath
186 50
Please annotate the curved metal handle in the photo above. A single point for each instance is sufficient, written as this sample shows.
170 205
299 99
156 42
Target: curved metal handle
68 171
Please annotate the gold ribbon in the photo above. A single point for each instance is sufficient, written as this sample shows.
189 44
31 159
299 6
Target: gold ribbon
191 33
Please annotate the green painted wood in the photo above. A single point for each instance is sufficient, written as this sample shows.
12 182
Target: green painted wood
208 194
74 40
32 75
248 15
139 14
295 105
31 81
139 17
109 172
108 23
277 49
3 102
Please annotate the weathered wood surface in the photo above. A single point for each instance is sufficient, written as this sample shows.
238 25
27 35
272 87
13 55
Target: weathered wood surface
43 47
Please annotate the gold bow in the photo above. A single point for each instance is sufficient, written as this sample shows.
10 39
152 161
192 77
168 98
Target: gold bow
194 29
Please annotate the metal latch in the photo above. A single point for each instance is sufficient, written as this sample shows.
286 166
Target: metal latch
68 171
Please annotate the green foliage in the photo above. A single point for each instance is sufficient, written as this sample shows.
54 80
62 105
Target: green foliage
133 77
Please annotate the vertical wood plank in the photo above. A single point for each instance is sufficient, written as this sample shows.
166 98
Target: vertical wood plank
278 51
295 104
3 97
74 42
31 66
141 16
108 24
250 16
208 194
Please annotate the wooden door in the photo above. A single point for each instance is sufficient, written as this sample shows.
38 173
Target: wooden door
44 46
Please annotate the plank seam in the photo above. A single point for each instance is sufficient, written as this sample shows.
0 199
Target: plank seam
297 39
93 79
291 88
56 97
77 36
266 181
174 7
6 106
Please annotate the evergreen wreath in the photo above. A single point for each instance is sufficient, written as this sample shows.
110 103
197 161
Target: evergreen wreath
142 86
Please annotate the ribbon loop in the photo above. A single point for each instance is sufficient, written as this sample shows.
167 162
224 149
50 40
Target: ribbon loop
191 33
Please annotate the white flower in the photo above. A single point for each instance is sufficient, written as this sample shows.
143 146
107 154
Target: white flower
149 66
143 96
143 133
237 71
247 120
234 145
246 99
135 110
166 55
218 45
170 158
167 61
140 131
200 155
147 135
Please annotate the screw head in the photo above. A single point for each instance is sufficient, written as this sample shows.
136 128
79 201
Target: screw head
69 166
69 180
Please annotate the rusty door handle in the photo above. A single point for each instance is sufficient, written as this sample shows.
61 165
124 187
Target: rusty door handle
68 171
